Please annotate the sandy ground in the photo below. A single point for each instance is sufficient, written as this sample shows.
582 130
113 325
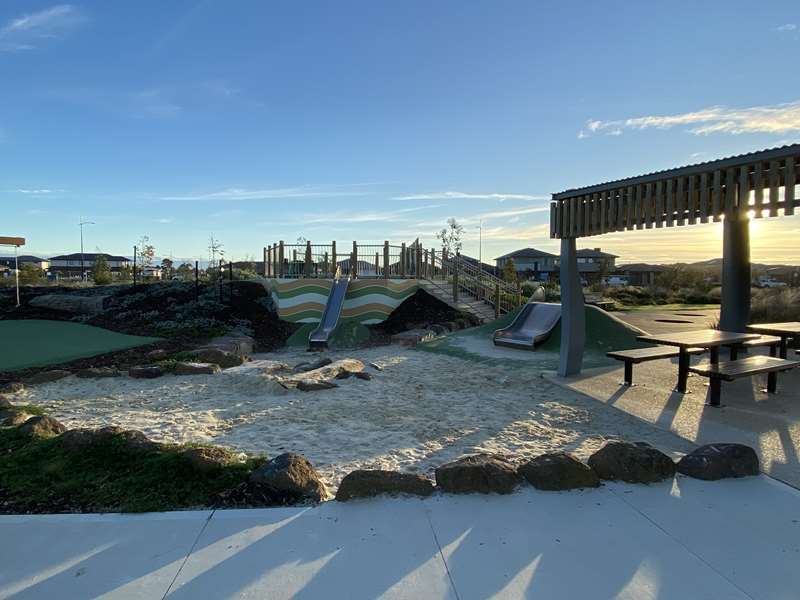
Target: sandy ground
420 411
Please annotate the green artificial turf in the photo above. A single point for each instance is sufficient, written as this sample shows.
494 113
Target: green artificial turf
37 343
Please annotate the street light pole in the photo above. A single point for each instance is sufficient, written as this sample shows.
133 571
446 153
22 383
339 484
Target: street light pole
83 269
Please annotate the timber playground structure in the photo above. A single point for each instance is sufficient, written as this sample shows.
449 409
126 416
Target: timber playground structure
302 278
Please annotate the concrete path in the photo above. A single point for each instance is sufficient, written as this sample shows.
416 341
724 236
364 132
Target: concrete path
685 538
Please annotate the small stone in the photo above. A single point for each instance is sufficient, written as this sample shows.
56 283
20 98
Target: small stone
363 375
193 368
483 473
313 386
558 471
145 372
292 477
42 426
98 373
634 463
13 387
209 459
369 483
376 366
720 461
223 358
47 376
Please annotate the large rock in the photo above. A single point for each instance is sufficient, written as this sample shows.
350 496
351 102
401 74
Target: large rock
43 426
259 368
47 376
98 373
482 473
315 386
412 337
11 417
82 439
634 463
368 483
234 342
291 477
145 372
304 367
13 387
558 471
71 303
209 459
195 368
325 373
720 461
223 358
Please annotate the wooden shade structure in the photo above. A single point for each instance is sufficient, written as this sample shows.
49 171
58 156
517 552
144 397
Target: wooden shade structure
759 184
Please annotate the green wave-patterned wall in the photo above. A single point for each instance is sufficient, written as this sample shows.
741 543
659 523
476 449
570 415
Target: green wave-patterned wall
368 301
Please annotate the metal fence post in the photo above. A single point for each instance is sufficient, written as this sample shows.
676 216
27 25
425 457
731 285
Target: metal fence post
496 300
309 266
281 251
196 280
403 260
333 259
386 259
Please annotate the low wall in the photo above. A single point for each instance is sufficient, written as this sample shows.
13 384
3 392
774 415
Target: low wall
368 301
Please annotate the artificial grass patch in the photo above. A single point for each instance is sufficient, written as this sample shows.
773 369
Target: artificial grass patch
36 343
41 475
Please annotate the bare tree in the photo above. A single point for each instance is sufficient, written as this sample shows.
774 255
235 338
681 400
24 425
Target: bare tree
450 236
215 249
146 251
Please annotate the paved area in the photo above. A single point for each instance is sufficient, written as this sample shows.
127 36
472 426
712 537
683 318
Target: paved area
662 321
675 540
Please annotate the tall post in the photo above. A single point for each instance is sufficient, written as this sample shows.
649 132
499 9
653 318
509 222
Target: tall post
196 280
354 261
230 281
573 312
386 259
433 263
735 308
309 267
496 300
16 271
275 260
377 265
417 260
455 278
403 260
266 263
281 251
333 258
134 266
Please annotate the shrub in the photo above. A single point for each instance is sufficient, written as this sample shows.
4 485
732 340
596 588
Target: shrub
775 305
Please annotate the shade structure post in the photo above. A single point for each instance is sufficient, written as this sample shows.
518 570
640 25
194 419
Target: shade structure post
573 312
266 261
735 304
386 259
333 259
16 271
281 259
403 260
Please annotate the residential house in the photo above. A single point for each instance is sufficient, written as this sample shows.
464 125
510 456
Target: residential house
530 263
25 259
69 265
594 264
640 274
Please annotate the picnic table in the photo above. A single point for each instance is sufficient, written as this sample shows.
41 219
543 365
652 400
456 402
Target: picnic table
710 339
785 331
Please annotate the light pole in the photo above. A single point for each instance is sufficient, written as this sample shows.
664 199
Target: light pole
83 269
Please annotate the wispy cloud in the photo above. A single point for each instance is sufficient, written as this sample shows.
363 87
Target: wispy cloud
470 196
28 31
787 27
775 118
303 191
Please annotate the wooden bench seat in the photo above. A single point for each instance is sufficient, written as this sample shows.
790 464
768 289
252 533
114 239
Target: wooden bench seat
765 340
746 367
635 356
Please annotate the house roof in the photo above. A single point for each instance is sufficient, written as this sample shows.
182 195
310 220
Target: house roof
88 256
527 253
23 258
594 253
641 268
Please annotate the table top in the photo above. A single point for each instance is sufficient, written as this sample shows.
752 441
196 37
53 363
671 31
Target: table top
703 338
788 328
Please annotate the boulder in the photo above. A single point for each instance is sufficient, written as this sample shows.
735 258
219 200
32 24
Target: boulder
369 483
157 354
194 368
720 461
634 463
145 372
304 367
13 387
325 373
259 367
11 417
412 337
291 477
234 342
558 471
363 375
223 358
98 373
344 375
5 403
482 473
315 386
47 376
209 459
42 426
81 439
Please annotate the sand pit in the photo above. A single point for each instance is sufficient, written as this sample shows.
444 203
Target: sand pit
421 410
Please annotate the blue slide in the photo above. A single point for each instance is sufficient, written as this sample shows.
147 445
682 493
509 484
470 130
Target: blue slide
532 325
318 340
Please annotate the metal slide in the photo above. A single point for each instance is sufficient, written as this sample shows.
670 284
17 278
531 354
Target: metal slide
330 317
532 325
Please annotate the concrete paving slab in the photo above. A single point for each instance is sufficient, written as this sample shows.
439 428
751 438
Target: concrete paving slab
568 545
94 556
362 549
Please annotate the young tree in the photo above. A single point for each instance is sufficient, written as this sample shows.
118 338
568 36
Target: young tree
30 274
509 271
125 272
166 268
450 237
101 272
146 252
185 271
214 249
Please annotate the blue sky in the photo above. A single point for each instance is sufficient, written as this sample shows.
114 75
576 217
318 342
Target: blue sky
260 121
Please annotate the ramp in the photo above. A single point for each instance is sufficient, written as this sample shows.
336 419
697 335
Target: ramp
532 325
318 339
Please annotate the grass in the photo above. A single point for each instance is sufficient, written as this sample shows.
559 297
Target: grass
41 475
36 343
